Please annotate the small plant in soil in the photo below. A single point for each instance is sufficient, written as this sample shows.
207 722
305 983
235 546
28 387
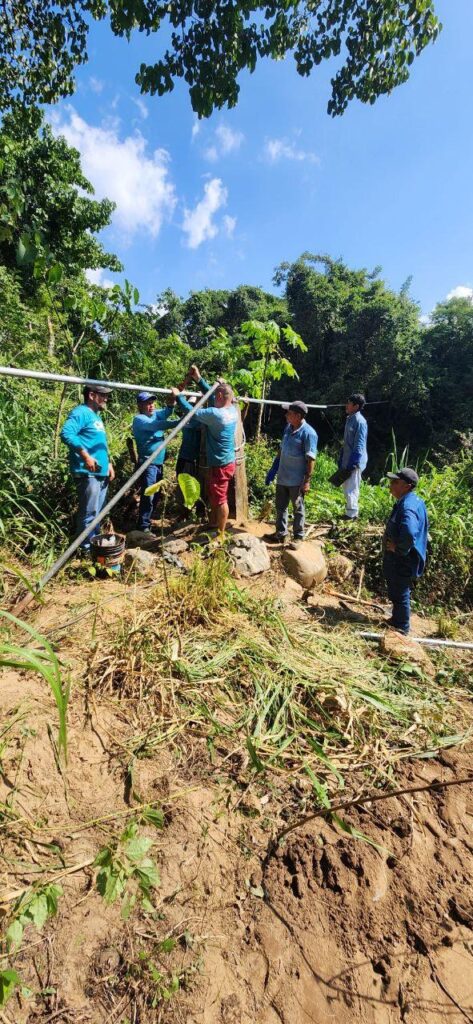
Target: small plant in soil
126 872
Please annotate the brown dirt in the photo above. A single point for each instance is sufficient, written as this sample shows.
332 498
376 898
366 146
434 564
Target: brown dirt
324 929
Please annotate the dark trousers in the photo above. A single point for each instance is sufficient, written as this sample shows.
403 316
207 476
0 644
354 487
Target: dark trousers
150 476
400 573
92 495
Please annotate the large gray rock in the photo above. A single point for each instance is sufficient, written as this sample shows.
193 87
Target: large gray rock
306 565
249 555
139 561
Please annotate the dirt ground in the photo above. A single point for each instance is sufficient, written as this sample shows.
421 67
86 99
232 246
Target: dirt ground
321 928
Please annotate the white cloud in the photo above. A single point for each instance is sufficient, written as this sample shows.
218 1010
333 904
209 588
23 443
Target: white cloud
122 170
97 277
229 225
282 149
96 84
462 291
143 109
198 223
195 129
226 141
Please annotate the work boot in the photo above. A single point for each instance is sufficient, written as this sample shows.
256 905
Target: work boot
275 538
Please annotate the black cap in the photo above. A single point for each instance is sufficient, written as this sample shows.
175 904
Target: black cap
99 389
408 475
296 407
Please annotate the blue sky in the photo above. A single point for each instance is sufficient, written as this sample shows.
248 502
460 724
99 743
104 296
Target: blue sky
221 202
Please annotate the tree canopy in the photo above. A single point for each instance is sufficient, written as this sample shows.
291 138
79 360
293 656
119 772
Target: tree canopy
209 42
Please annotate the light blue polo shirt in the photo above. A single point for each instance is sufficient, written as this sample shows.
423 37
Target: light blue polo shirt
296 446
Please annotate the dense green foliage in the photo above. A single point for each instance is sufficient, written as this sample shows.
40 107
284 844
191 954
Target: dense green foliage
209 42
339 329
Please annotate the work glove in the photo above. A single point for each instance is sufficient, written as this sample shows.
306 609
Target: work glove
270 475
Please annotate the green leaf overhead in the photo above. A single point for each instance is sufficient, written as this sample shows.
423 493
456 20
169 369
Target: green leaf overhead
208 43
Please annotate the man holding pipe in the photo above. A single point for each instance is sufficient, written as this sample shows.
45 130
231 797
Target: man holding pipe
220 420
404 545
84 434
148 431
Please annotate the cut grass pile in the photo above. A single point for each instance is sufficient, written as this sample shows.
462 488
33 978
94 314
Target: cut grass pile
206 659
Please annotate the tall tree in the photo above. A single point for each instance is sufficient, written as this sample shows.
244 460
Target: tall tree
448 355
209 42
46 214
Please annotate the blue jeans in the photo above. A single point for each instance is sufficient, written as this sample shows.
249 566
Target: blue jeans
400 573
150 476
284 495
92 495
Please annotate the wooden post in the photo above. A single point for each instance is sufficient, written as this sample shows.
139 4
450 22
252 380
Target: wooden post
241 483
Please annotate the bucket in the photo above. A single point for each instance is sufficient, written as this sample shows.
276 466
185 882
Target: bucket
107 550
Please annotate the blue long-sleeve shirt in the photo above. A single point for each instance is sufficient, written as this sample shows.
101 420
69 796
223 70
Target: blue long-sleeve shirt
354 452
408 528
148 432
85 429
221 426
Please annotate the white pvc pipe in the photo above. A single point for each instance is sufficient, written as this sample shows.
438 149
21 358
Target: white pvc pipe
427 641
62 378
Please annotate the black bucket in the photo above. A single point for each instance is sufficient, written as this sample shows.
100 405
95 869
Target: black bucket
106 554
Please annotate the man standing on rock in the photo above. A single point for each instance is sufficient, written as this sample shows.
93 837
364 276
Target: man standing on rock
148 431
220 421
84 434
293 468
404 545
354 455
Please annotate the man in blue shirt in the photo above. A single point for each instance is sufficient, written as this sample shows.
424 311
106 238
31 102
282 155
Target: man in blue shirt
84 434
293 468
404 545
354 456
220 421
148 430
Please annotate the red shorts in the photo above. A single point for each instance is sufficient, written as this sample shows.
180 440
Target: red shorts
219 479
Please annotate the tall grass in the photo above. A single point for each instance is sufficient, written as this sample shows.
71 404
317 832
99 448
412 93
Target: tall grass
42 659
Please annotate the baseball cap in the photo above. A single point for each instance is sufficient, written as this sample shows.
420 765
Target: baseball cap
145 396
99 389
296 407
408 475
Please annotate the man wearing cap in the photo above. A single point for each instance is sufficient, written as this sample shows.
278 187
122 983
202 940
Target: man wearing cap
404 545
354 455
84 434
293 468
220 421
148 429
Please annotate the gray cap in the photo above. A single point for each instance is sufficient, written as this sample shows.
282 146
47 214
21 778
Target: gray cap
409 476
99 389
295 407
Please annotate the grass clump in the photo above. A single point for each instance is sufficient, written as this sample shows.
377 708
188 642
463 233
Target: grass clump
219 666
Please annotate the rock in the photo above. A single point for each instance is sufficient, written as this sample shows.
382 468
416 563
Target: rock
137 560
145 541
249 555
306 565
340 567
395 645
292 592
176 547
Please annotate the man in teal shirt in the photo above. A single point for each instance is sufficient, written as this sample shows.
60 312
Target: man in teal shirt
84 434
148 430
220 421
